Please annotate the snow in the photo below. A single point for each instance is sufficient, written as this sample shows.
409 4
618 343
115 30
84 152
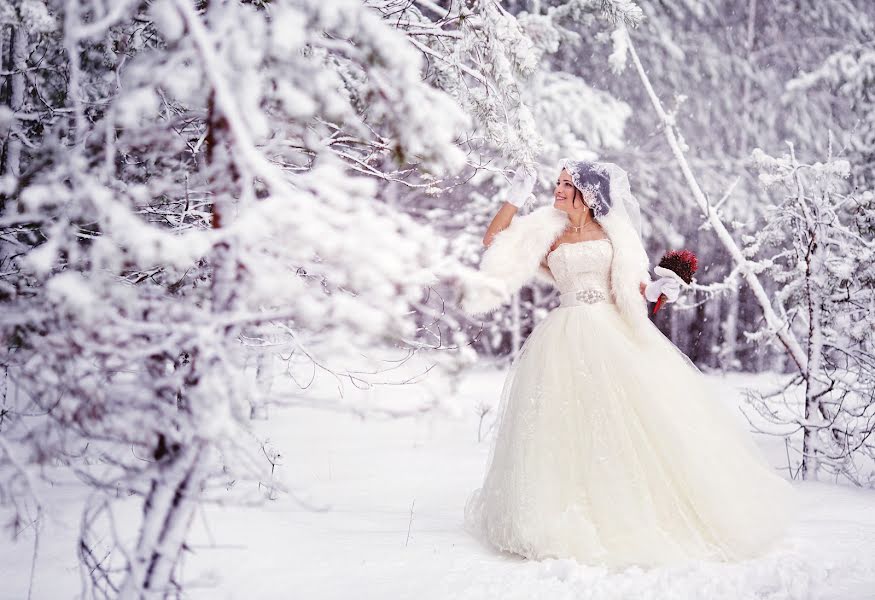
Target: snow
361 484
35 15
167 20
618 57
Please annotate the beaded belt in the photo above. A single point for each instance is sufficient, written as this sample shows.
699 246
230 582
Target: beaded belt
587 296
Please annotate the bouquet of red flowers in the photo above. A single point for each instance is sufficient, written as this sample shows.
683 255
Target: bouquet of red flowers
675 269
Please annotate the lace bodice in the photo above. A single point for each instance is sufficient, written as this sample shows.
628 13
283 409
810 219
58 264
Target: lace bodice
582 265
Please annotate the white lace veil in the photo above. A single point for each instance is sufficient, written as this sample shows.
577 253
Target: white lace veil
615 202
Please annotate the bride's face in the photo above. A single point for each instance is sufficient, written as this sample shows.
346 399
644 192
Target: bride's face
567 197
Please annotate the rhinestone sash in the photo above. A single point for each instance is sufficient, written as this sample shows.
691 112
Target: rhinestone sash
587 296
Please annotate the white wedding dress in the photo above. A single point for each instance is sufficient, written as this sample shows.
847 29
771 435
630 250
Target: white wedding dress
610 448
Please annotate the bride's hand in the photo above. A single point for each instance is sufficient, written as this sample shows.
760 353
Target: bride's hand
519 192
664 286
642 287
521 185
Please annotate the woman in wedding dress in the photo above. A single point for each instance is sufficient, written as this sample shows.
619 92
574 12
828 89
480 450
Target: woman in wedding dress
610 446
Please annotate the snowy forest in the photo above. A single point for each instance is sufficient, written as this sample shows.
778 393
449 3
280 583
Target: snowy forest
227 226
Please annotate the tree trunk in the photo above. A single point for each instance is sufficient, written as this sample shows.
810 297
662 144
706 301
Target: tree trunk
813 388
674 326
263 379
729 329
173 499
167 514
18 64
713 310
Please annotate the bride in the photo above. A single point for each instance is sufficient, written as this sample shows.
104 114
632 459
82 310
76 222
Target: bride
610 447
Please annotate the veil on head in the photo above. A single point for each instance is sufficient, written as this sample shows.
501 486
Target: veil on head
605 188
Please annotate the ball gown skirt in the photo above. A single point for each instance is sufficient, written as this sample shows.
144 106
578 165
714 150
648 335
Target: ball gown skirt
611 449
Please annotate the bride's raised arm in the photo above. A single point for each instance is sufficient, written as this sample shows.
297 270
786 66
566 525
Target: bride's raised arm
500 222
521 187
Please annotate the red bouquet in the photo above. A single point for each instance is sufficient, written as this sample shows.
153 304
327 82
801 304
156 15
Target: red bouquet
675 269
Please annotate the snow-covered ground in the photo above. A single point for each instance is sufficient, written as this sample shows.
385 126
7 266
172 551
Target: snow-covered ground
391 494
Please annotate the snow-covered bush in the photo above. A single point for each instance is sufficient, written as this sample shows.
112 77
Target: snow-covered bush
818 247
176 195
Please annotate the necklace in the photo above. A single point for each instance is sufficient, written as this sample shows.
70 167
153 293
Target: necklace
578 228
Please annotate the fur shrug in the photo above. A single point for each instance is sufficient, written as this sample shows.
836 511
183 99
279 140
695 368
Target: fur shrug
515 254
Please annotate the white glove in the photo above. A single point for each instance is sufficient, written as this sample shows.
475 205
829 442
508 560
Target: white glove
669 286
521 186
